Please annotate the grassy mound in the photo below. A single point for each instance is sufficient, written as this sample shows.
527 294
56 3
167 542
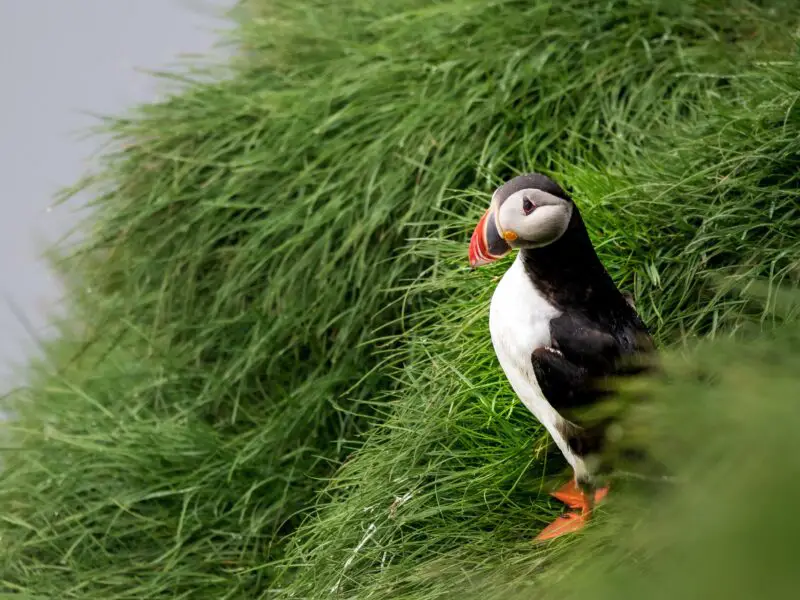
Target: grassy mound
250 245
454 480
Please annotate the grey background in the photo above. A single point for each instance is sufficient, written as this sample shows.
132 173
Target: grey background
61 59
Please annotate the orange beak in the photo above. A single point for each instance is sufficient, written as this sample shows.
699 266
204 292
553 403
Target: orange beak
487 244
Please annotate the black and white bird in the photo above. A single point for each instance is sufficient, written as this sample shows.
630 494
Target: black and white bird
559 326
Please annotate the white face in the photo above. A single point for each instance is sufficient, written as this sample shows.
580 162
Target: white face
532 218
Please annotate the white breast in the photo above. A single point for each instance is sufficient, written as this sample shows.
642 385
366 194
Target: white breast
519 322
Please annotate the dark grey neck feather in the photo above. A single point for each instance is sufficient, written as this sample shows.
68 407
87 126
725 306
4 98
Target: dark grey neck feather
569 273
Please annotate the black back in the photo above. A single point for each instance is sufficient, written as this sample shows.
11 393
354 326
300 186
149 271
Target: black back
599 335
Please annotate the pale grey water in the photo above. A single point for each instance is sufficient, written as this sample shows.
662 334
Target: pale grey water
58 60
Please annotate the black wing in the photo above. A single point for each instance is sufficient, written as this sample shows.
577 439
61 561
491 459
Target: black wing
603 347
584 354
573 373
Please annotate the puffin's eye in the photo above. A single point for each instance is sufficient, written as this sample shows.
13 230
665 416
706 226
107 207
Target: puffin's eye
527 206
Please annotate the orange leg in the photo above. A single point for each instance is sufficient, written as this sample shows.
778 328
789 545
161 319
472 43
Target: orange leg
571 495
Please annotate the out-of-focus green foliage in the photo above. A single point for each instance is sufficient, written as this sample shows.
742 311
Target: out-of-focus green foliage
724 419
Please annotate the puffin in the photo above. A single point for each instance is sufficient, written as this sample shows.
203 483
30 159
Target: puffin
562 331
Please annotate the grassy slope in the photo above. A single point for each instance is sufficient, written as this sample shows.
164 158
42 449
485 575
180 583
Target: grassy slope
464 457
250 235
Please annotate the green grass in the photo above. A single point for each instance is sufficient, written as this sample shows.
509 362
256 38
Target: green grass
276 266
686 228
725 527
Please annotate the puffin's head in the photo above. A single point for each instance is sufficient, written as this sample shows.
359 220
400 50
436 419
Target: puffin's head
529 211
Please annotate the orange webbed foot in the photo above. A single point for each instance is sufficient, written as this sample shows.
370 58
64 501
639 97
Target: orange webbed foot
566 523
571 495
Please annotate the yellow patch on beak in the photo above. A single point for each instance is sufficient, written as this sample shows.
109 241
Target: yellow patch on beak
509 236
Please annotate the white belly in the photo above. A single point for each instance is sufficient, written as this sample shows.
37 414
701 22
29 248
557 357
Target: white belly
519 322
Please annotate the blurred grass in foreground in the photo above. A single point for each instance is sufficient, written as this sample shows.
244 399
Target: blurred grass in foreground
725 419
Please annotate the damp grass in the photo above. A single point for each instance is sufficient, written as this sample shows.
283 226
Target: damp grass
277 381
